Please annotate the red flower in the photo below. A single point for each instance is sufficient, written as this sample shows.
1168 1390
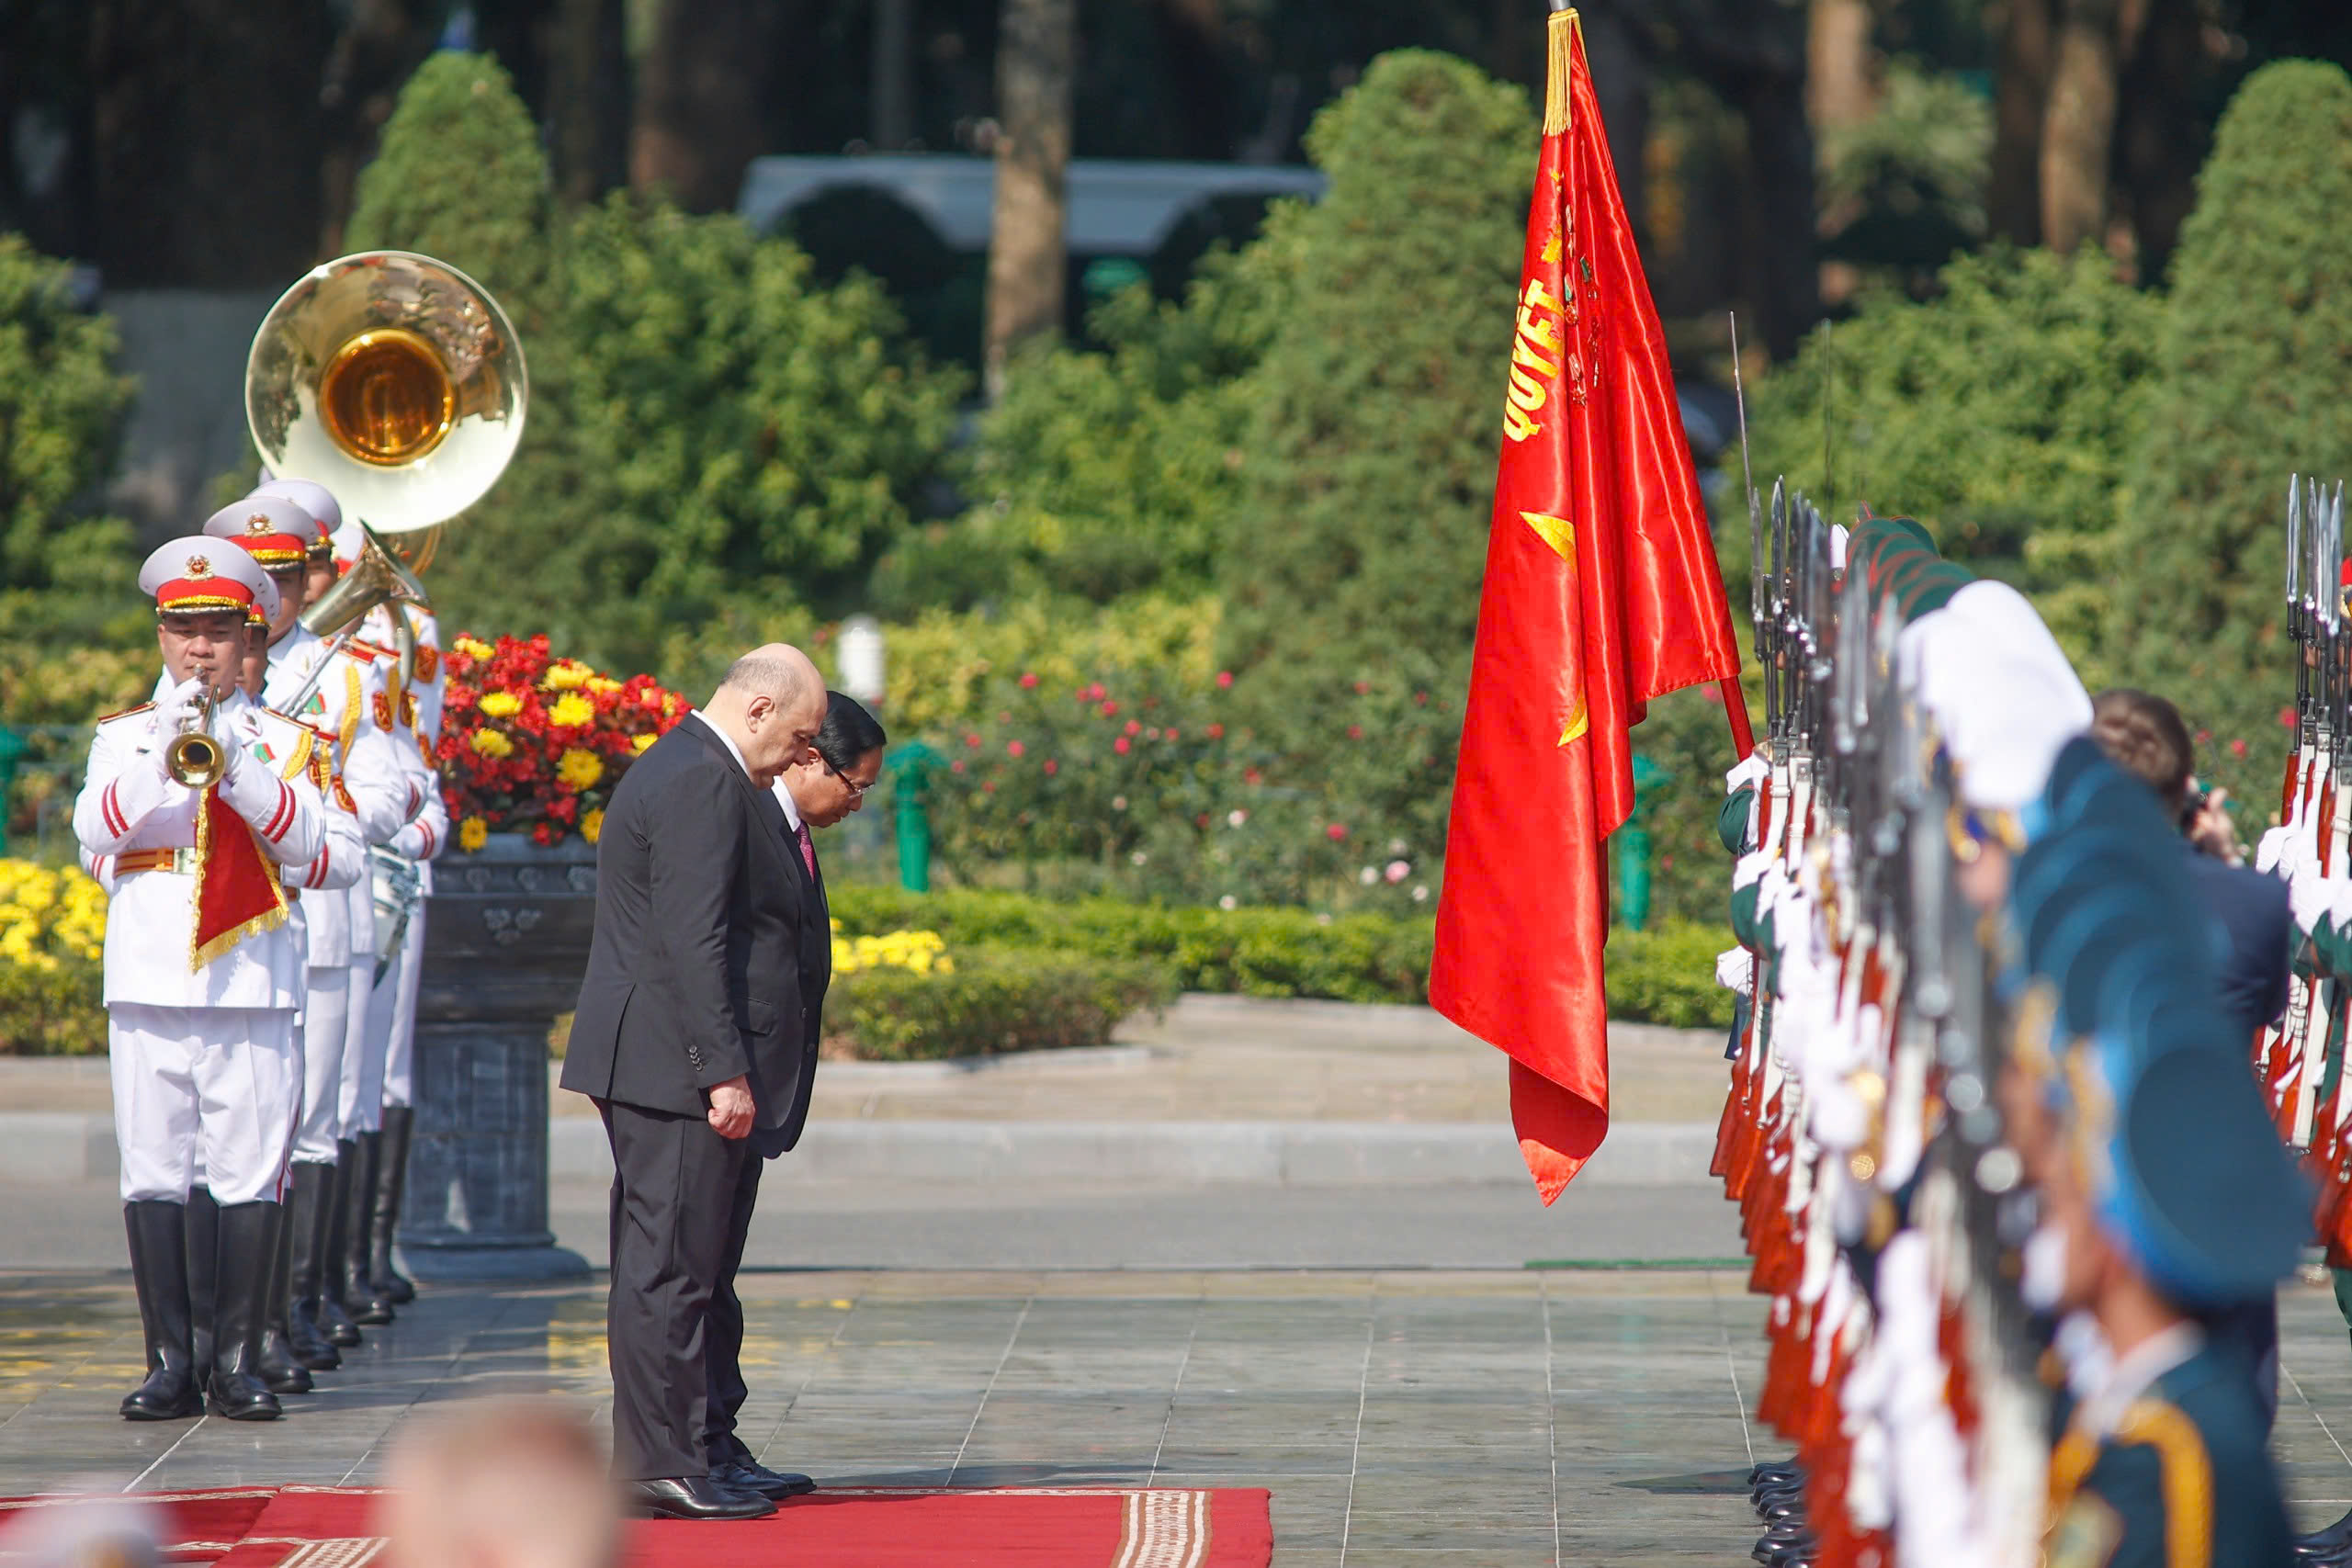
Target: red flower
1120 745
2238 748
1028 679
973 741
956 766
1252 775
988 786
1202 820
1052 767
1363 688
1013 747
2285 719
1421 699
1355 732
1217 732
2204 738
1134 727
1224 679
1336 832
1172 734
1109 710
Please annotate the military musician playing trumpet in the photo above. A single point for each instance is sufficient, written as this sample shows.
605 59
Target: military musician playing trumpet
198 799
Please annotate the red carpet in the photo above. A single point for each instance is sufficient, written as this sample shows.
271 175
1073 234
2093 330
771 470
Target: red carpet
199 1527
322 1527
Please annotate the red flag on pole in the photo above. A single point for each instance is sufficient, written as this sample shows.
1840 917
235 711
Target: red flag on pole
1601 592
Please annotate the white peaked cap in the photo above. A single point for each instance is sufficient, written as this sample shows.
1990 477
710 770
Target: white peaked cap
2003 694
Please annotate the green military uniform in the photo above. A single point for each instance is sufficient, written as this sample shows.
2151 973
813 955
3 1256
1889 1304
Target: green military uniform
2178 1475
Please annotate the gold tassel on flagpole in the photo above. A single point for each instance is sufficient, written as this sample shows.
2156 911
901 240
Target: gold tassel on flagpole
1559 28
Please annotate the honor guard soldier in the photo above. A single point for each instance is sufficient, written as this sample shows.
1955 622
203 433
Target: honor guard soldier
198 800
2171 1196
406 704
364 780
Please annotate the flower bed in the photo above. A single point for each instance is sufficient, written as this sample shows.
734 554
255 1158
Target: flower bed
53 942
534 744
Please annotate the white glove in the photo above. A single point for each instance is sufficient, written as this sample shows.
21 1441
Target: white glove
2271 850
2311 897
177 712
1752 770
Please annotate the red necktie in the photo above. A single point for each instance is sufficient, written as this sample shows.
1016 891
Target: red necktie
807 849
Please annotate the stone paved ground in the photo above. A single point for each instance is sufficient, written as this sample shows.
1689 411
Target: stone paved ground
1411 1418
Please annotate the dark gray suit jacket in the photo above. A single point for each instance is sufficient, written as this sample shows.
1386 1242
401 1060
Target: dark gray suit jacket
695 974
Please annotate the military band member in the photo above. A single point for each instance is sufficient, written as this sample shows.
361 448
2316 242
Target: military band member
364 779
202 980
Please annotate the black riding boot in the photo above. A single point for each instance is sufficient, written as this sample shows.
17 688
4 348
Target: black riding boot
365 1302
280 1368
391 1184
203 1218
242 1282
158 1232
312 1187
335 1316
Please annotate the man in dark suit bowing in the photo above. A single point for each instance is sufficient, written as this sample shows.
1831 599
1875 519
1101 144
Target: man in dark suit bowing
823 789
687 1036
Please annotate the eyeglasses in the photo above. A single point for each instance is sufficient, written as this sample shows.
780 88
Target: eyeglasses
857 790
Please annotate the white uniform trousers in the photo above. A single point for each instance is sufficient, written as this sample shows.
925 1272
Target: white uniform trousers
363 1059
325 1023
212 1084
391 1012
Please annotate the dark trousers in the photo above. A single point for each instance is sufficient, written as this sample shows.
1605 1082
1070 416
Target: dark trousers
723 1338
673 1184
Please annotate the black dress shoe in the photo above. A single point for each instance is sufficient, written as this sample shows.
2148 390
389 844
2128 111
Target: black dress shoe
696 1497
1775 1470
750 1475
2326 1543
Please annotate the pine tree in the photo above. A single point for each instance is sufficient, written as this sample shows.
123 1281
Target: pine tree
1356 549
2254 361
459 175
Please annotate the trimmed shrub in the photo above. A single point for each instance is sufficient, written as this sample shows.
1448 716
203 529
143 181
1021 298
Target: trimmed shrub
52 940
994 999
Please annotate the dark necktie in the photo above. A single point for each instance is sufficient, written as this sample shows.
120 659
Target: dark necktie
807 849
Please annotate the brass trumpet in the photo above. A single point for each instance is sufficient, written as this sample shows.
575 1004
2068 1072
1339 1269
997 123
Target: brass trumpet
193 757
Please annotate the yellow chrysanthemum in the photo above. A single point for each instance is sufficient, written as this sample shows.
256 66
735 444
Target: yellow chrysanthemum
493 743
565 675
500 705
642 743
592 825
578 769
599 684
572 708
473 648
917 951
472 833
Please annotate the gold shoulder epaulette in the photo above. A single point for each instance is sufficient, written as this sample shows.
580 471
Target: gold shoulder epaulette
126 713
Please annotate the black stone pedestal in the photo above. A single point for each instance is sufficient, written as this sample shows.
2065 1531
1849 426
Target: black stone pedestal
505 940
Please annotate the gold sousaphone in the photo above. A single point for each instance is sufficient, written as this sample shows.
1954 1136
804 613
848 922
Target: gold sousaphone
396 381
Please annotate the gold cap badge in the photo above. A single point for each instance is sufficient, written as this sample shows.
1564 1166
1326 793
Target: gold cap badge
200 566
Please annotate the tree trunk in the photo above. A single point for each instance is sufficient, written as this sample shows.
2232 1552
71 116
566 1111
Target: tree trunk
1028 257
703 93
2078 126
381 42
2013 202
892 104
1199 92
204 166
2159 140
1838 92
588 97
1785 282
1838 96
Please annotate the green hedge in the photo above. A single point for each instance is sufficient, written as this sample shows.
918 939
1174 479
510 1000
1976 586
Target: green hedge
1666 975
994 999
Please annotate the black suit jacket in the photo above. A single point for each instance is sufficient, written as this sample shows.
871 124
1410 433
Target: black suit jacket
816 966
693 975
2256 937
